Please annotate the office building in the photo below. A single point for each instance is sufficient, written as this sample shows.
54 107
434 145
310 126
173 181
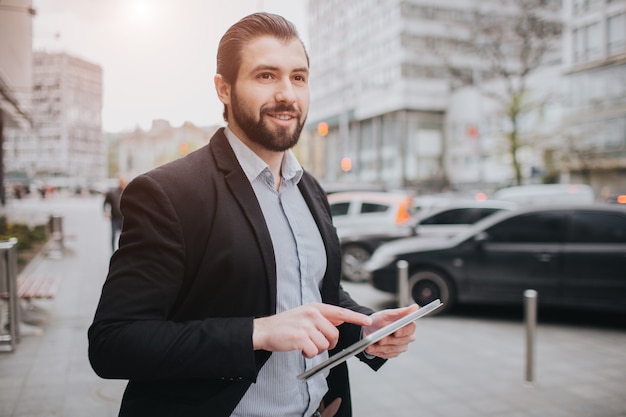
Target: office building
381 81
595 55
65 147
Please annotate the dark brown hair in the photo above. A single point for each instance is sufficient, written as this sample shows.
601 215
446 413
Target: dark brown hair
243 32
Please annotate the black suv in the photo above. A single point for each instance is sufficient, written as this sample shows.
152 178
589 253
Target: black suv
573 256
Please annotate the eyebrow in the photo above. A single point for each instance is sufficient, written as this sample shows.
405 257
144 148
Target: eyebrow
274 68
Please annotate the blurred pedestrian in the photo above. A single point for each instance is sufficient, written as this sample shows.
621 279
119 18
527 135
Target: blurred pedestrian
226 284
111 207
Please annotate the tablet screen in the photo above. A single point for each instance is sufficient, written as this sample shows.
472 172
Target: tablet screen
370 339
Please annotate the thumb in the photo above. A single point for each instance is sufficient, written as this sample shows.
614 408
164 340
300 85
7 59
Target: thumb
395 314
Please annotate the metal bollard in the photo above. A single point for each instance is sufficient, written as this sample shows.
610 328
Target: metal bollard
55 231
8 288
403 283
530 314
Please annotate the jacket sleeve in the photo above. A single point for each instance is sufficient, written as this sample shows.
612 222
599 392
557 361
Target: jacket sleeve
351 333
132 335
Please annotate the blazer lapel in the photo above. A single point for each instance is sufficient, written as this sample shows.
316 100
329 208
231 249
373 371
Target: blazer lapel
242 191
313 198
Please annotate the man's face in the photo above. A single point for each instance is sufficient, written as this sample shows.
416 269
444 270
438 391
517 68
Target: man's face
270 99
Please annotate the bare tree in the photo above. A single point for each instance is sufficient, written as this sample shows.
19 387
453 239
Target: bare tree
509 46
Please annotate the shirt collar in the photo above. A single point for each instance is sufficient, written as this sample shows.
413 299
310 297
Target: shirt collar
253 165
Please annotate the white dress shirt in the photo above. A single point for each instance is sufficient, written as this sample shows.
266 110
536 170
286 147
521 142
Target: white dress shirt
300 267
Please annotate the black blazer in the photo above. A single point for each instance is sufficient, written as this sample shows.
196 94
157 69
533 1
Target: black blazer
194 268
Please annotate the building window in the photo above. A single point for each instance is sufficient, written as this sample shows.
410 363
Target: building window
592 42
616 34
577 47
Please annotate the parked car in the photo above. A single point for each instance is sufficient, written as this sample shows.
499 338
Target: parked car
456 217
574 256
379 215
542 194
616 199
358 244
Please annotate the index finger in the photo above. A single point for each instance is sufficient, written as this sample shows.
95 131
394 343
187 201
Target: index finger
338 315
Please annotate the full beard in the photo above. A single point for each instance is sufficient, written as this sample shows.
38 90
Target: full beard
272 138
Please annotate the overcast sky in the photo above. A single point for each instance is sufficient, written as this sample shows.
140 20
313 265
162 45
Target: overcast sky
157 56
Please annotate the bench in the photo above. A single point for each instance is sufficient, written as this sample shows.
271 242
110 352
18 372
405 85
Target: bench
27 285
32 282
31 287
36 286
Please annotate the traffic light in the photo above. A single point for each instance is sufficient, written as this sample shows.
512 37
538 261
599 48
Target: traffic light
322 128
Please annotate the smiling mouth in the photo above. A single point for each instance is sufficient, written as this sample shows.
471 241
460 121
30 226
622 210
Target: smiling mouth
281 116
281 112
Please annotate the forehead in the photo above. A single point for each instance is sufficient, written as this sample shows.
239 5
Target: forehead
268 51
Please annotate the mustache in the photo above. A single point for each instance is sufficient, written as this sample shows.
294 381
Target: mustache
277 108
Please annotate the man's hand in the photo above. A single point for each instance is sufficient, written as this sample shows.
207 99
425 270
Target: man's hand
311 328
397 342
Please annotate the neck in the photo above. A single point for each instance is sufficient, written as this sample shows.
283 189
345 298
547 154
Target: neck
272 158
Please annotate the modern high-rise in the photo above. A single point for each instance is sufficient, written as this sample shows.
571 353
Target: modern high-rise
595 56
381 81
66 145
376 91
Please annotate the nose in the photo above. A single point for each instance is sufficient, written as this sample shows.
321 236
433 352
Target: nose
285 92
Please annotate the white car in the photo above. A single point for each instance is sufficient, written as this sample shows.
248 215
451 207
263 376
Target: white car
535 194
441 222
379 216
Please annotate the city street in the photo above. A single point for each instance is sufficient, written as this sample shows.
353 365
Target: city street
468 363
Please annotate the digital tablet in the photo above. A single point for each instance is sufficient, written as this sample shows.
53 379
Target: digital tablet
368 340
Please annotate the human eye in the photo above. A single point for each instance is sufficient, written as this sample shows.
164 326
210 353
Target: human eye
265 76
300 78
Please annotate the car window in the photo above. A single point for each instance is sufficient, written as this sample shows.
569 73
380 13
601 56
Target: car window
339 209
459 216
590 227
482 213
534 227
373 208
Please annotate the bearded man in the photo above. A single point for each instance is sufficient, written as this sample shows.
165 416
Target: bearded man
226 283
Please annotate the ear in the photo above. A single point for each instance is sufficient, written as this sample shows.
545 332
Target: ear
222 88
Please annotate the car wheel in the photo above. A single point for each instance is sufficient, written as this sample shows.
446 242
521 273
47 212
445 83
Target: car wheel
427 286
352 259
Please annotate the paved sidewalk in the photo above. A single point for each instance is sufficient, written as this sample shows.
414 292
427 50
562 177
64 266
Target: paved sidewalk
49 374
463 364
468 364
